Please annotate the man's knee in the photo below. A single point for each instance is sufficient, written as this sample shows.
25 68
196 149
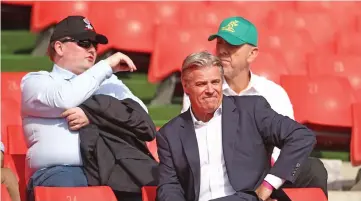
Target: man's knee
318 169
62 177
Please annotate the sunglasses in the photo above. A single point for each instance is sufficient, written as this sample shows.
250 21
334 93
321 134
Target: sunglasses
81 43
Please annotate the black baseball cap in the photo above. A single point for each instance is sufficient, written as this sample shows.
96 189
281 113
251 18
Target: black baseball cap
78 28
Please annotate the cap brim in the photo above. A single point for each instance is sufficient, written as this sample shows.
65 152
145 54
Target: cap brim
227 37
90 35
101 39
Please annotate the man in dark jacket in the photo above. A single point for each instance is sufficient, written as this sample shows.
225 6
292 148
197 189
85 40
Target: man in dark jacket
113 146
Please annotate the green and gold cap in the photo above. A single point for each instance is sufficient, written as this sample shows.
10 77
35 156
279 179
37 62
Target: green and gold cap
237 31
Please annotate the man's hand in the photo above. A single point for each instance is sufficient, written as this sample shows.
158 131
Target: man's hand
120 62
264 193
76 118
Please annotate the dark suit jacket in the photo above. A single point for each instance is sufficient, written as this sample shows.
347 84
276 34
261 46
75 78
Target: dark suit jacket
249 127
112 145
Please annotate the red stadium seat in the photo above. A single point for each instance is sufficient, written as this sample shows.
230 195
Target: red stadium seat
4 193
9 163
10 115
17 150
321 100
172 46
303 194
152 146
355 146
47 13
269 66
278 39
168 12
10 85
149 193
347 66
98 193
348 43
128 25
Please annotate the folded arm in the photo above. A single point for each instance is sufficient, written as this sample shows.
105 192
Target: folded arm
43 96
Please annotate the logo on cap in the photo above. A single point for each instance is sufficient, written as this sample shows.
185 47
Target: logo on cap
230 25
88 26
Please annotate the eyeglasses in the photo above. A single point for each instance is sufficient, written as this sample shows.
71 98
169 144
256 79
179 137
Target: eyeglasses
82 43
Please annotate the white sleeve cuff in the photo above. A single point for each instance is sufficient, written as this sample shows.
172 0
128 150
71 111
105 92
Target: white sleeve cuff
276 182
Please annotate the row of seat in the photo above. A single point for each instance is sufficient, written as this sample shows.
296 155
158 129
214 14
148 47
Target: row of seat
104 193
288 31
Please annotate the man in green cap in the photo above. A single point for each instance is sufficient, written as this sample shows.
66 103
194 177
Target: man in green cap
237 41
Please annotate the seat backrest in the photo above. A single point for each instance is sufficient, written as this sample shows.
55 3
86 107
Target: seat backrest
10 85
341 65
172 45
5 196
270 66
149 193
322 100
302 194
47 13
355 146
99 193
348 43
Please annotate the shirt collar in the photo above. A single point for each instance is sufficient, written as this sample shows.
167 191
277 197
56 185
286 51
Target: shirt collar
198 123
251 85
67 75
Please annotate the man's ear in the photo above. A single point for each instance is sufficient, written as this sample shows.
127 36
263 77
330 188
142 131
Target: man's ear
59 48
253 54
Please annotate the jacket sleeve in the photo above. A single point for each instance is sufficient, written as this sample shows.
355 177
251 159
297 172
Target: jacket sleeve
109 112
295 140
169 188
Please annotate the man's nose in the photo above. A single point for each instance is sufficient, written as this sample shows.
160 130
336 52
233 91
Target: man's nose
209 89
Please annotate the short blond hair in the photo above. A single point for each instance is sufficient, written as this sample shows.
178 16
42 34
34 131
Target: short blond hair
201 59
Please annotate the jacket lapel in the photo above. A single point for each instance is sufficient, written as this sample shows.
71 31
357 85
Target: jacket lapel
190 147
230 122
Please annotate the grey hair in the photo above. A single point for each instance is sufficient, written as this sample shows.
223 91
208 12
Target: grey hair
201 59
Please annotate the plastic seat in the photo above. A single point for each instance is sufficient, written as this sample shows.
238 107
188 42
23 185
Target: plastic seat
4 193
321 100
10 85
348 43
149 193
152 146
348 66
99 193
172 46
269 66
10 115
302 194
46 13
355 145
128 25
277 39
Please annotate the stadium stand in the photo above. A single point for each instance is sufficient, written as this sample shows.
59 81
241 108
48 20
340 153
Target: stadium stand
311 48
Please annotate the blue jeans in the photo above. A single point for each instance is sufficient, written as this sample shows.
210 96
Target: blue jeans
59 176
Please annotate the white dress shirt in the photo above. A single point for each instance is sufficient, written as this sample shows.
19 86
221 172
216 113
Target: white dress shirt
275 95
45 95
214 182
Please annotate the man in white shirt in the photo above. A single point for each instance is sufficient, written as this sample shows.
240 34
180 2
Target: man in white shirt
237 41
218 149
50 100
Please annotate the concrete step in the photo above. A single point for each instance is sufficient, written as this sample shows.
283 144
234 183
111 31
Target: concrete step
344 196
